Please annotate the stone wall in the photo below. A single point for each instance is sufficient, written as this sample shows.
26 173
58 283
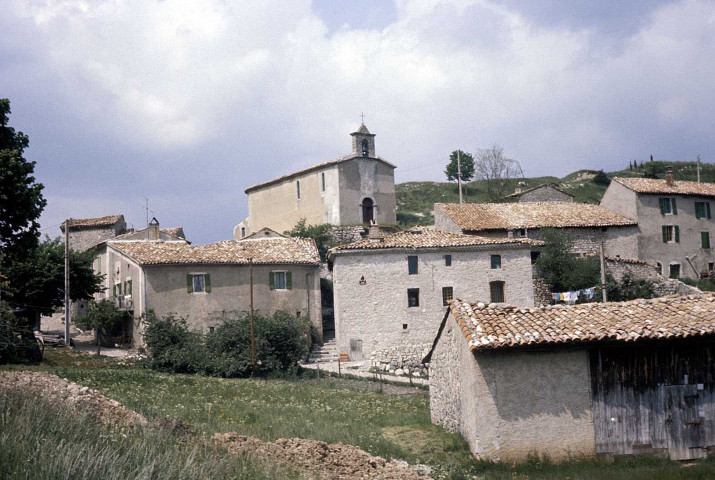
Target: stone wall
85 238
542 292
662 286
545 193
401 359
346 234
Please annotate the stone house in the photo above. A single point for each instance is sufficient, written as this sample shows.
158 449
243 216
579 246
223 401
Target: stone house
588 225
546 192
574 381
206 283
355 189
389 291
674 218
85 233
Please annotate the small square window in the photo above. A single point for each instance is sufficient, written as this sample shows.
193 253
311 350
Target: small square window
412 264
668 206
447 295
496 292
413 297
404 326
448 260
496 262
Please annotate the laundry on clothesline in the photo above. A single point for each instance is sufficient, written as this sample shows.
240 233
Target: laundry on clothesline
572 297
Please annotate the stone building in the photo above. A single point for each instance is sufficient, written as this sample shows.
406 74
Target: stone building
579 380
588 225
352 190
389 291
85 233
546 192
206 283
674 221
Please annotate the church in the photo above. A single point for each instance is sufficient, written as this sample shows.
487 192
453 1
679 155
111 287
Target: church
355 189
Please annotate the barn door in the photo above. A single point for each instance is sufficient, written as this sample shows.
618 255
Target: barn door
684 422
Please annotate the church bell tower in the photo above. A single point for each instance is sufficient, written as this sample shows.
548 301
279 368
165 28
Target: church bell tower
363 142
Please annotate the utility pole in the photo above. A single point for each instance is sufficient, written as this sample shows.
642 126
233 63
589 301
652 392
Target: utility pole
68 306
459 173
253 338
603 269
698 168
147 211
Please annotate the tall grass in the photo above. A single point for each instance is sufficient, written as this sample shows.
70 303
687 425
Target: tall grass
40 440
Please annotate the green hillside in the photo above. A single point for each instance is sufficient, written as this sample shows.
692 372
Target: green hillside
415 200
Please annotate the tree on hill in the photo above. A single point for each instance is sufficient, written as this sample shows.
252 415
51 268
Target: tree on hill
601 178
496 169
466 161
22 201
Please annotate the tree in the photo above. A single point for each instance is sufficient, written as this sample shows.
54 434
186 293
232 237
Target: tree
319 233
559 267
21 201
466 161
102 316
601 178
36 281
496 170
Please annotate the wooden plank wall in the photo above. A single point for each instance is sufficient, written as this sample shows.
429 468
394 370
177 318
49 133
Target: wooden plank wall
654 398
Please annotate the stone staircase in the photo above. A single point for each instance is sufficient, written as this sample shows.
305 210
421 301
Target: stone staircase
327 352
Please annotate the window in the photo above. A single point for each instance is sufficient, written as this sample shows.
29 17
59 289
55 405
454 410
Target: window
534 256
117 289
496 291
280 280
198 283
705 239
128 287
243 232
668 206
448 260
322 181
297 189
674 270
496 262
521 233
671 233
702 210
368 211
447 295
711 266
413 297
412 264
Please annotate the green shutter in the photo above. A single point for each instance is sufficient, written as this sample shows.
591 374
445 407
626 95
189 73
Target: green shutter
189 283
675 206
114 290
677 234
661 201
665 234
272 280
119 289
705 239
707 208
289 280
207 283
129 285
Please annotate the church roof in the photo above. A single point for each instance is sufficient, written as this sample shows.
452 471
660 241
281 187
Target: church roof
319 166
363 129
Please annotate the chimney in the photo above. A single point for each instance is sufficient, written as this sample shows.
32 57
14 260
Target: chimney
153 229
669 176
510 234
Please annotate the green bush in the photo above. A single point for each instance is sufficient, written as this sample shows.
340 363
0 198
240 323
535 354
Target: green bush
17 341
601 179
559 267
629 288
281 341
172 346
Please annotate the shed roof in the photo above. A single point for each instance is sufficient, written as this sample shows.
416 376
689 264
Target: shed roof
106 221
475 217
490 327
658 186
289 251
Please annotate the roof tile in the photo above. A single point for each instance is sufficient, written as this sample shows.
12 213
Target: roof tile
658 186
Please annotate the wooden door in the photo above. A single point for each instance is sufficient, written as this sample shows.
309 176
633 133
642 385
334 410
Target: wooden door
684 422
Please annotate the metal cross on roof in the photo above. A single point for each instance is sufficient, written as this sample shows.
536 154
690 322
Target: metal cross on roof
362 118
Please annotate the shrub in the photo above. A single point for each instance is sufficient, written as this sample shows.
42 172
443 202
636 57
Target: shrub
601 178
172 346
629 288
281 341
17 341
559 267
103 317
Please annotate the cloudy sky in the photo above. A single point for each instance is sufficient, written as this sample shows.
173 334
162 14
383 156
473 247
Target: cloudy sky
190 102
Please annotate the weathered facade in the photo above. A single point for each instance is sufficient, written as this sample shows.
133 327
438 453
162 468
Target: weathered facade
674 222
207 283
576 381
389 291
353 190
546 192
85 233
588 225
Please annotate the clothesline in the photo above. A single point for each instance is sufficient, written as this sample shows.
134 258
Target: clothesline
572 297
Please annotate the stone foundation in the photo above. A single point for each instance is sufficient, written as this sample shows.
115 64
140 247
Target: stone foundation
401 360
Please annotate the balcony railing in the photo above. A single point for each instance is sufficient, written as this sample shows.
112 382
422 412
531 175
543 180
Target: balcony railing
124 302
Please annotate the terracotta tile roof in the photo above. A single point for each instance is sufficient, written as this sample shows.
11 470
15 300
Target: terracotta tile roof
475 217
555 186
314 167
300 251
658 186
78 223
488 327
430 238
174 231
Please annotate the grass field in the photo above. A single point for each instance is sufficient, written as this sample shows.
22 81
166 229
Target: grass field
389 421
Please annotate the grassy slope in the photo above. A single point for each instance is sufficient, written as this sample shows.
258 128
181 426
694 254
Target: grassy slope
334 410
415 200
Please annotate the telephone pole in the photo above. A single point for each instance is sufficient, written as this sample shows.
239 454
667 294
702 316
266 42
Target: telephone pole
67 283
603 269
698 168
253 338
459 173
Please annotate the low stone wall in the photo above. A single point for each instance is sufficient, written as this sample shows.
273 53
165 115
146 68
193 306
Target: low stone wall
401 360
346 234
662 286
542 292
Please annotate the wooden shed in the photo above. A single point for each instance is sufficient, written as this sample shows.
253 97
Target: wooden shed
608 379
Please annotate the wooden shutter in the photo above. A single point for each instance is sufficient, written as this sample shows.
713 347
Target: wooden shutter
189 283
114 290
661 201
705 239
675 207
207 283
289 280
665 234
707 208
129 287
677 234
271 280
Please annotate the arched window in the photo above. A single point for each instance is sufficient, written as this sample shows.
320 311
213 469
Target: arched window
368 214
365 147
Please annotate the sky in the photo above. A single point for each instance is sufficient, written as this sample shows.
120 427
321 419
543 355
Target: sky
189 102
